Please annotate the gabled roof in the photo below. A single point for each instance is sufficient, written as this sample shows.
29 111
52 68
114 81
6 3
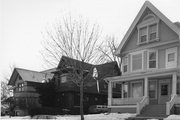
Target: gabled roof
70 62
29 75
147 4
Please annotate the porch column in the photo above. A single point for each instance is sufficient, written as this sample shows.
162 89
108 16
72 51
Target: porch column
174 84
122 90
109 93
146 87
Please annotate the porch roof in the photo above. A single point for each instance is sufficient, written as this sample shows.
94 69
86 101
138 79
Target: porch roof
141 75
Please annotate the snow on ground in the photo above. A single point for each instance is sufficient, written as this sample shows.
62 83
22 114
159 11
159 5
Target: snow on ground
173 117
112 116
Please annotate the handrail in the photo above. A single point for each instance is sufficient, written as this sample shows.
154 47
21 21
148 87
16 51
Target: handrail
170 104
142 104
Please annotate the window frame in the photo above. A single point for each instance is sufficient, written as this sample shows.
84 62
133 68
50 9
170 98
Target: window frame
148 59
150 40
135 53
171 64
20 87
146 27
125 58
123 90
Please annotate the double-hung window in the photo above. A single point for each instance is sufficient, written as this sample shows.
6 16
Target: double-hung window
152 59
152 32
143 35
137 61
125 64
171 57
21 87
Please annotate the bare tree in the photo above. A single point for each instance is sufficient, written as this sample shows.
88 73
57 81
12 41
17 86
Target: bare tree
107 49
76 39
5 88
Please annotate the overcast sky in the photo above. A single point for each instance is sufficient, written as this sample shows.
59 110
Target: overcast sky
23 21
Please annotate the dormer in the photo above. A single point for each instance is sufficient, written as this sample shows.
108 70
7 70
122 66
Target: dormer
148 29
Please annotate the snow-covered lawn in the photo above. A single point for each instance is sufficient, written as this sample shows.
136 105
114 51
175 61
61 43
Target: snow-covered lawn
173 117
112 116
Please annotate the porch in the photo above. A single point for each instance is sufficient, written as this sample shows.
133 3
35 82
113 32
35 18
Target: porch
138 91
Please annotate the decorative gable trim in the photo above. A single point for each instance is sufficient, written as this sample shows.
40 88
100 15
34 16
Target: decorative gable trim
147 4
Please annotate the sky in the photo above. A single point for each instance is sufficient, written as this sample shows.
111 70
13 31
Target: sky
22 23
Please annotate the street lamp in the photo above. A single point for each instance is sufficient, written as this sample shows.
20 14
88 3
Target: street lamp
95 76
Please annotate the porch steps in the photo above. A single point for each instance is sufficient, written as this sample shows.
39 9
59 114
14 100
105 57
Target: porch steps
145 118
157 111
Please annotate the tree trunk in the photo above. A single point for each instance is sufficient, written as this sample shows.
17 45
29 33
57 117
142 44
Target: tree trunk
81 101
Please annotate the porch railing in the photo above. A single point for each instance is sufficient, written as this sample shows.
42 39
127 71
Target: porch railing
141 104
174 100
126 101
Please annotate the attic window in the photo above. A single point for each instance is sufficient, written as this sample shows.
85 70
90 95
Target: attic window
143 35
21 87
148 29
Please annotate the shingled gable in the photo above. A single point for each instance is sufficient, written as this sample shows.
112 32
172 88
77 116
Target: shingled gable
147 4
29 75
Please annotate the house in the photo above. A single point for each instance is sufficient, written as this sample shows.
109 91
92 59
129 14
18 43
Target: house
24 92
68 91
150 53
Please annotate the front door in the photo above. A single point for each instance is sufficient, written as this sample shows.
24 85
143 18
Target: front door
153 92
164 91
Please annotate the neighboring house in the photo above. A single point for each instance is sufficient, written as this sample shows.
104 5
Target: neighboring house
150 53
24 92
69 92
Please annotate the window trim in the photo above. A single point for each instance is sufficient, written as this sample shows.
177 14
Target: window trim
143 35
125 64
148 52
135 53
20 87
171 64
123 88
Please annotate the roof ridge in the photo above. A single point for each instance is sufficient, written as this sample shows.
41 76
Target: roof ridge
26 69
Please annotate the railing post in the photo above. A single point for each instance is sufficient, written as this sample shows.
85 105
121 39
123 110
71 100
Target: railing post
146 87
174 84
138 108
109 93
167 108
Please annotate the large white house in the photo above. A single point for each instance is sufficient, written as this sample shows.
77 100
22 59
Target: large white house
150 53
